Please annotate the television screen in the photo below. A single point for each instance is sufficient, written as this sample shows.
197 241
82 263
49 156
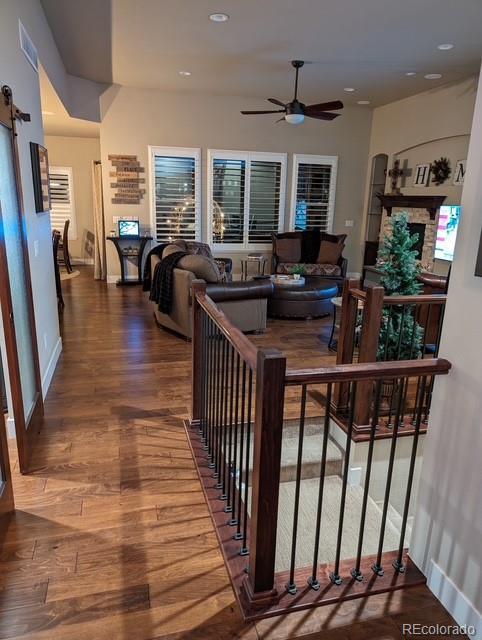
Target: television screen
128 228
448 223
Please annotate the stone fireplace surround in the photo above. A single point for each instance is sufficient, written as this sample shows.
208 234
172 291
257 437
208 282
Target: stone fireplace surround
420 216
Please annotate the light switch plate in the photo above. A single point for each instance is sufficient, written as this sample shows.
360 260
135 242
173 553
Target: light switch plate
349 223
36 248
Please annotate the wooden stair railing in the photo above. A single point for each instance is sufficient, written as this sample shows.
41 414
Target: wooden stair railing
238 403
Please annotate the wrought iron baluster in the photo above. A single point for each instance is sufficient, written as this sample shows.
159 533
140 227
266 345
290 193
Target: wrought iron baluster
377 567
244 550
335 574
238 535
400 337
212 347
234 520
313 579
398 564
291 586
217 437
356 572
224 420
230 464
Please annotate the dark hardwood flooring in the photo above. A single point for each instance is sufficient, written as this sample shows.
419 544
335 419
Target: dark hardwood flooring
112 538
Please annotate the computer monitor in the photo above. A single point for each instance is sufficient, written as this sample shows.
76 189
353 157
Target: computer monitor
128 228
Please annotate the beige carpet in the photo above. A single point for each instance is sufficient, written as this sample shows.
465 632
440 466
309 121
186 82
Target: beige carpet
329 523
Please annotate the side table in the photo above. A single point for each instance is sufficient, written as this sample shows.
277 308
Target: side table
124 252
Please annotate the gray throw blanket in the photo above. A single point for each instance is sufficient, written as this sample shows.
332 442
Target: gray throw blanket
162 281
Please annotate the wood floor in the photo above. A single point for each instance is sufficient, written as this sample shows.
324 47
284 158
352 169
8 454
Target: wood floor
112 538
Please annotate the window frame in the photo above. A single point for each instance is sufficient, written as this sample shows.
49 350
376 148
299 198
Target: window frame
73 234
247 156
176 152
306 158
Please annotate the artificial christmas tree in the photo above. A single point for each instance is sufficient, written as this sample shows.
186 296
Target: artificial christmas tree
400 334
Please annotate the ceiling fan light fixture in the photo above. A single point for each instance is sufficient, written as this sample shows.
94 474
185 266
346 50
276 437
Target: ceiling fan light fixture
295 118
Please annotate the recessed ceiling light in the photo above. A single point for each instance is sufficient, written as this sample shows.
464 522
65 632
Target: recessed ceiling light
219 17
184 73
349 89
432 76
48 113
363 102
411 73
445 47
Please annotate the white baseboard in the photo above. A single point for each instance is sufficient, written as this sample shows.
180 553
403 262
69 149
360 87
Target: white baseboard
10 422
459 607
49 371
113 279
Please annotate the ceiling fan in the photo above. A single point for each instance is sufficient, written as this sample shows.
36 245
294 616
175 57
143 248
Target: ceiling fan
295 111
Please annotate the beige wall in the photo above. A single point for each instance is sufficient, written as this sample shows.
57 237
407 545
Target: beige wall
17 72
422 128
448 526
78 153
136 118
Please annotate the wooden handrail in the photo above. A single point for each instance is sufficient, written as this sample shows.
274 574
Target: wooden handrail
358 294
240 342
368 371
421 299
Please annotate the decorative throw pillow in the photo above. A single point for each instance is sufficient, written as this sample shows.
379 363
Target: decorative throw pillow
288 249
202 267
172 248
330 252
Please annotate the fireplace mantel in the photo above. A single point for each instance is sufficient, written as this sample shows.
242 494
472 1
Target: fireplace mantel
430 203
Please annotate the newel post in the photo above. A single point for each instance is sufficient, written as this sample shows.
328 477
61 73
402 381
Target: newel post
346 338
197 353
369 339
268 433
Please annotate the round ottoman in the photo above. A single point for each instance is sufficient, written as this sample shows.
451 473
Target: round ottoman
311 300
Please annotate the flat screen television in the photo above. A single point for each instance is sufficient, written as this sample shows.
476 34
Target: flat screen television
448 223
128 228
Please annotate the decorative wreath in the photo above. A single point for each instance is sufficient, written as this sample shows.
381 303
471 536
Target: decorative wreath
440 170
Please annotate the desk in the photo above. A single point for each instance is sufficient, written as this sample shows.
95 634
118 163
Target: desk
130 251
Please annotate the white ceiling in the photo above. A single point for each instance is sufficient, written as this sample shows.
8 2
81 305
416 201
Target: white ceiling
366 44
57 122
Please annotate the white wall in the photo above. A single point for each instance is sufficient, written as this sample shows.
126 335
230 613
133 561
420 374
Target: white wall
16 72
135 118
78 153
448 528
422 128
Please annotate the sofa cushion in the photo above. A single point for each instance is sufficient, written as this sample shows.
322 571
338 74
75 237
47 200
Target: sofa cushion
198 249
240 290
330 237
330 252
310 269
288 249
202 267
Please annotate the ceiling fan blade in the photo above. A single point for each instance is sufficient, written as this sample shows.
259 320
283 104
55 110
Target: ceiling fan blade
248 113
325 106
275 101
322 115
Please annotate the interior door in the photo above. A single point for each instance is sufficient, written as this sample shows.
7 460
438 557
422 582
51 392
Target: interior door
16 294
6 489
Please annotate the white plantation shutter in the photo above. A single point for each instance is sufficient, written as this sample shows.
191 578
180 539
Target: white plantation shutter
62 205
314 185
246 193
175 179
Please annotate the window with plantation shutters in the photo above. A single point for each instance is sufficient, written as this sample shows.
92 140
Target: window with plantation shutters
175 193
246 192
62 205
313 192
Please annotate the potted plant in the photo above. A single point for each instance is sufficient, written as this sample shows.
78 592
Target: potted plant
298 270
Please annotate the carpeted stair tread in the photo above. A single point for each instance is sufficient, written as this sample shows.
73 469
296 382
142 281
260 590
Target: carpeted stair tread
329 528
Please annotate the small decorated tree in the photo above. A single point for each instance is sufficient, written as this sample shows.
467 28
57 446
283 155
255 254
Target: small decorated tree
400 334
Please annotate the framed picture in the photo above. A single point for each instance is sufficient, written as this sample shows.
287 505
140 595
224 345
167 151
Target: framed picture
422 174
459 173
40 176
